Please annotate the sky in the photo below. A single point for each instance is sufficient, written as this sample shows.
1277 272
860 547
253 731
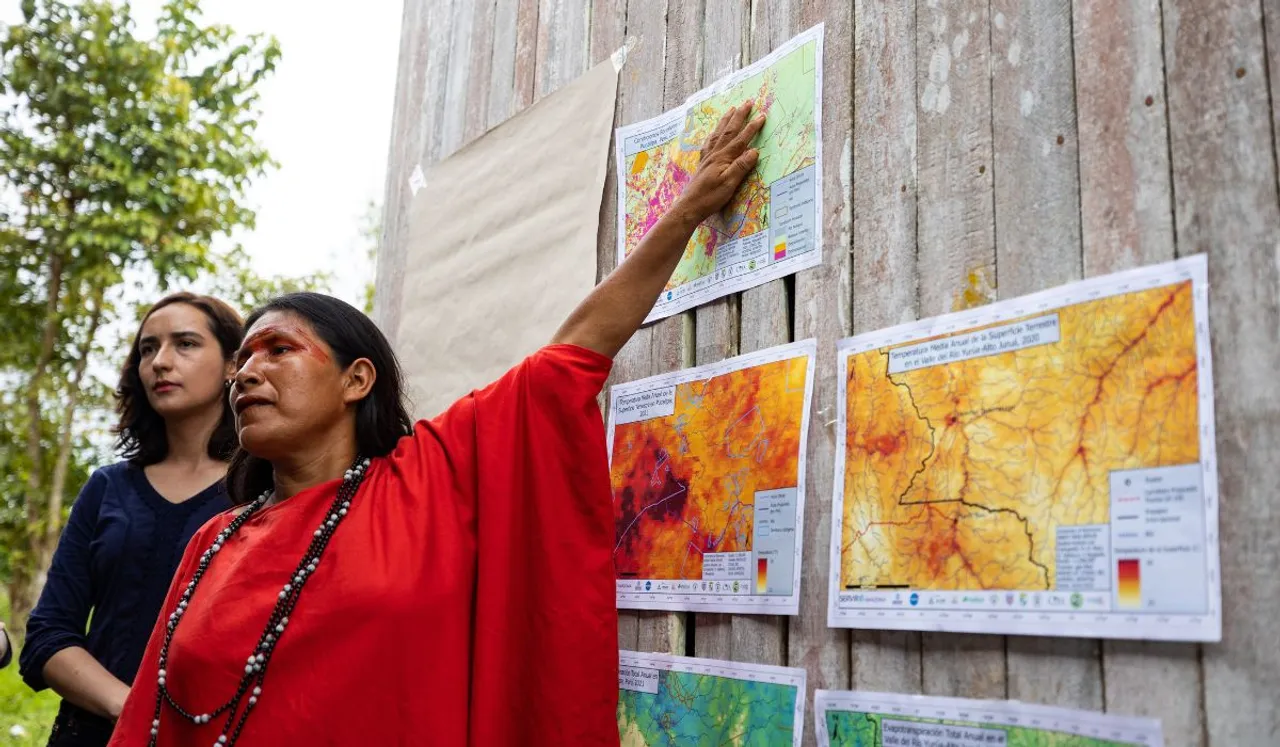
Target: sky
326 120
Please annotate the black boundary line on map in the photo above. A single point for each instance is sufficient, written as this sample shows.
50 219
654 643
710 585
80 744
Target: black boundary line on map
1026 524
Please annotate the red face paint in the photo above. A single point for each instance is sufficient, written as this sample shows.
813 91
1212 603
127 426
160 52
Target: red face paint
287 335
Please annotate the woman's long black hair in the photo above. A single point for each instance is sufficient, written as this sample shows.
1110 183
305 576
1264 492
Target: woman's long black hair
381 417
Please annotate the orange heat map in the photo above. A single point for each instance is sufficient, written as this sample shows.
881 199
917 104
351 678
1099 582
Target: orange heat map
684 484
957 475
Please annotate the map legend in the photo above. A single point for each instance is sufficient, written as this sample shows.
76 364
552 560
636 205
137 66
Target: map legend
1129 573
762 575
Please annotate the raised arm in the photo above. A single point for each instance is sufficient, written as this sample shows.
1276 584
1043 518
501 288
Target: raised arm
616 308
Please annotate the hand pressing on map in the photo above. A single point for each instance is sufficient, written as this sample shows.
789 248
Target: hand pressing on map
726 161
614 310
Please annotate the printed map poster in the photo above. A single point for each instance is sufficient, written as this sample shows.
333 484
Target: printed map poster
677 700
1044 465
707 470
863 719
770 228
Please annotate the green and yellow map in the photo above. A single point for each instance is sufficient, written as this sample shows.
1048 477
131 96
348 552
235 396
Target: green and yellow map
658 157
862 719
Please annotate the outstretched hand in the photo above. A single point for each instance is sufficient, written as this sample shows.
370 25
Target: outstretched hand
608 317
726 161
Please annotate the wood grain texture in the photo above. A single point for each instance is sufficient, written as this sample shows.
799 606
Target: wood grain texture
1226 204
1126 205
502 63
1037 184
479 77
639 97
724 26
1126 220
524 75
1271 27
884 247
969 666
1037 190
607 31
563 31
823 311
956 251
402 157
957 248
457 79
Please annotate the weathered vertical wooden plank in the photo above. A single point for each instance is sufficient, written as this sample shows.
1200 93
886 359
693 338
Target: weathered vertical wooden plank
439 23
1037 183
823 311
502 65
672 338
716 324
608 29
1225 203
640 97
1037 188
479 78
524 65
457 79
884 247
1126 220
402 157
563 37
1271 30
1126 209
957 251
765 314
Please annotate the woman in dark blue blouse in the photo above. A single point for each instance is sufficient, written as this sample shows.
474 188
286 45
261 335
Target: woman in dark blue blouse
132 520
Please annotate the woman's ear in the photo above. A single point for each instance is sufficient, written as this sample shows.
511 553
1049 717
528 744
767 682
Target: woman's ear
358 380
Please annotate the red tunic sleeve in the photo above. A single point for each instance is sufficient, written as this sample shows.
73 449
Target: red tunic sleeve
527 454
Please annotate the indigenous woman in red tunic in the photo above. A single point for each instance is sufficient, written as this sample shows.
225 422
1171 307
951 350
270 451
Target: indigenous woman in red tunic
446 583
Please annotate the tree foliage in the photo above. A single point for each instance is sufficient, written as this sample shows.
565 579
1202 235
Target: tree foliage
119 155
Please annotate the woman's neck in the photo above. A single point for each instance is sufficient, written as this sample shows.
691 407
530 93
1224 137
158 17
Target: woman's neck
306 469
188 437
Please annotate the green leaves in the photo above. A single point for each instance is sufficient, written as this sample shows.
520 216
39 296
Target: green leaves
120 156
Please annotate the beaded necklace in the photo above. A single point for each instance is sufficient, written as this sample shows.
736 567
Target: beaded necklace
255 668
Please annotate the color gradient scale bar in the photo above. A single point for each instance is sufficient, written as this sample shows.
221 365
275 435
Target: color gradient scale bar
1129 573
780 248
762 575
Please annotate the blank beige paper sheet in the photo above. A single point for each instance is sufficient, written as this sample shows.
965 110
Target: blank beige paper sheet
502 242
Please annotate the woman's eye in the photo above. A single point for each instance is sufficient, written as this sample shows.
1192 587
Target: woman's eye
279 349
187 344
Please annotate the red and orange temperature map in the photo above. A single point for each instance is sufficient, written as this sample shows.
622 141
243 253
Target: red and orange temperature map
1042 465
707 471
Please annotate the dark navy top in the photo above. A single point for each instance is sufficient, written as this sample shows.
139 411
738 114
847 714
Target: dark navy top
118 553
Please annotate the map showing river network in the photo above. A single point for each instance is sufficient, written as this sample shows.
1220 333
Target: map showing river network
959 474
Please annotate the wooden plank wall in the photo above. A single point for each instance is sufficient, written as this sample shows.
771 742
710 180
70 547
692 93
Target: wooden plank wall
973 150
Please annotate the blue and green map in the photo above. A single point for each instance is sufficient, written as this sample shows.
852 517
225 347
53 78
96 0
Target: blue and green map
695 709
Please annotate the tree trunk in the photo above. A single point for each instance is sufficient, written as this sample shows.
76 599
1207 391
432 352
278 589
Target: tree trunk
50 337
24 586
58 483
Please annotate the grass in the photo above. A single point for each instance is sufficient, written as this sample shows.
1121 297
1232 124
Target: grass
19 707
